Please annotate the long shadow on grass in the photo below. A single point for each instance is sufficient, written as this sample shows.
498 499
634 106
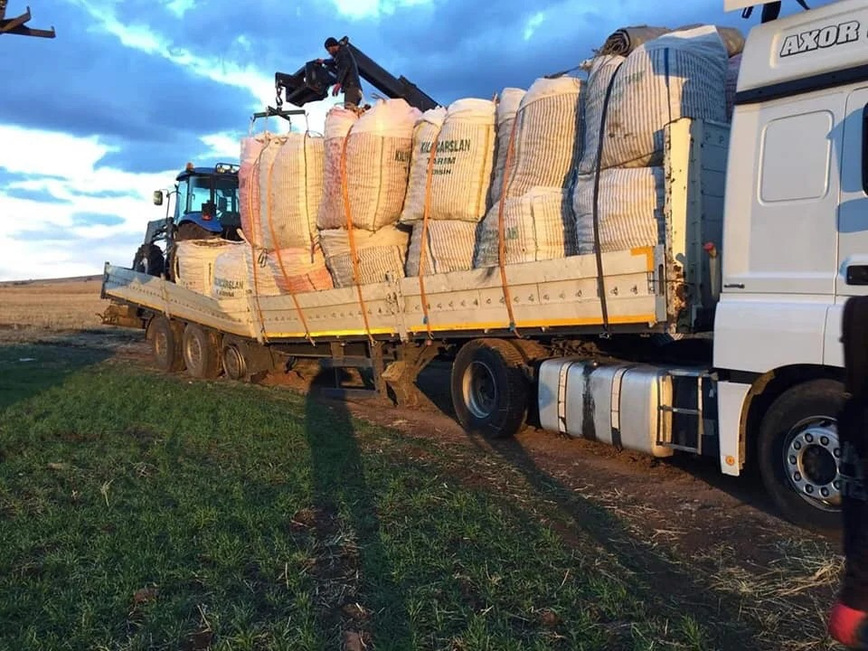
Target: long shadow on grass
26 370
358 599
665 588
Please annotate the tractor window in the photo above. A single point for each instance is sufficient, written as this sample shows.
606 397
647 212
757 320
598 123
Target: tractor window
200 192
226 194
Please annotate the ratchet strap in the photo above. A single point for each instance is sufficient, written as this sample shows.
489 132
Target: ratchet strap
345 192
508 172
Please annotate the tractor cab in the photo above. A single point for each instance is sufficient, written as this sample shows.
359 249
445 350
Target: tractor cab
206 207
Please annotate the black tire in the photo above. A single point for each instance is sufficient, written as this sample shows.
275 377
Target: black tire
200 353
149 260
234 363
165 345
799 454
489 388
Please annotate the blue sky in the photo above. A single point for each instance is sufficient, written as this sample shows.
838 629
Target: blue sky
130 90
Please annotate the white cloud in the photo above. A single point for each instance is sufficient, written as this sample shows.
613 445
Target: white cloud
180 7
362 9
65 167
533 24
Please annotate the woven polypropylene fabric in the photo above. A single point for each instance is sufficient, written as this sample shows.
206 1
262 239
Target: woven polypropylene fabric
630 209
378 153
547 136
450 246
379 253
194 260
294 189
424 134
507 107
681 74
248 181
537 226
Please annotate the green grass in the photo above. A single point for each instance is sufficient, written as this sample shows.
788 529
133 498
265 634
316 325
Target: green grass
140 510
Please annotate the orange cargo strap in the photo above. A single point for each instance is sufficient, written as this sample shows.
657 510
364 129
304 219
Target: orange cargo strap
280 256
423 257
345 192
254 228
501 226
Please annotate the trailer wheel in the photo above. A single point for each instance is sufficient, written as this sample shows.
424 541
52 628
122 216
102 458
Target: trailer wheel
165 345
234 363
800 454
489 388
200 353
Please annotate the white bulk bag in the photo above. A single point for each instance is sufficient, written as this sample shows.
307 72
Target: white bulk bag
261 235
194 263
378 151
537 226
241 268
424 134
338 123
547 136
379 253
630 209
291 189
463 161
449 246
248 181
603 69
681 74
507 108
299 270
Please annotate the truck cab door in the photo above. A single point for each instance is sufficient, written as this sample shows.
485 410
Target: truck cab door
852 276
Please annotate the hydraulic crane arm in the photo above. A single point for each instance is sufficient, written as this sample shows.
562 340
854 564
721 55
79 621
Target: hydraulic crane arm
18 25
311 82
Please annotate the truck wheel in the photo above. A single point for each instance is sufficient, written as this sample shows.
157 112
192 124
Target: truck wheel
200 353
149 260
165 344
800 454
489 389
234 363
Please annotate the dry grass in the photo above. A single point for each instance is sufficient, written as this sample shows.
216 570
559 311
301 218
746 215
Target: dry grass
54 304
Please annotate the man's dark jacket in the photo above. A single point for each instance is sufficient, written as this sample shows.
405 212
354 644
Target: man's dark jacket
343 65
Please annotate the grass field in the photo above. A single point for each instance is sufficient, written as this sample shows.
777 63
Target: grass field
145 511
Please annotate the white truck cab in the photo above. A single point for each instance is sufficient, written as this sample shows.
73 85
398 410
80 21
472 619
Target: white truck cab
795 248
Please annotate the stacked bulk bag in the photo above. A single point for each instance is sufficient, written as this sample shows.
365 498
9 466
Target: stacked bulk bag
260 231
539 225
680 74
379 253
194 263
507 108
449 246
536 207
546 143
248 180
454 177
368 163
425 134
630 209
462 165
291 182
299 270
377 166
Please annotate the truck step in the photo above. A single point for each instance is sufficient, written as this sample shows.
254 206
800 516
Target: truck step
347 362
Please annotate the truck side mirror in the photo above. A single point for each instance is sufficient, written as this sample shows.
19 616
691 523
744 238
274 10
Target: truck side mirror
158 197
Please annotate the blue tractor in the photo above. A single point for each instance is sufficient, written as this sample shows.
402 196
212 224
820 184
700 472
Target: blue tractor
206 207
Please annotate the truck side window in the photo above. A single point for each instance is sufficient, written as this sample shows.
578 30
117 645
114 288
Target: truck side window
796 157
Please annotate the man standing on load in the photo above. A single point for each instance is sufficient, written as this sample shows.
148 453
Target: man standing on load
344 67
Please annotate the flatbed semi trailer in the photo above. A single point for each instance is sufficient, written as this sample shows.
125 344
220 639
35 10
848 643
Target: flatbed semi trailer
722 341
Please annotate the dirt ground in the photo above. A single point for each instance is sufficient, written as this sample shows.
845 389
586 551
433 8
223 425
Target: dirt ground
51 304
684 509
